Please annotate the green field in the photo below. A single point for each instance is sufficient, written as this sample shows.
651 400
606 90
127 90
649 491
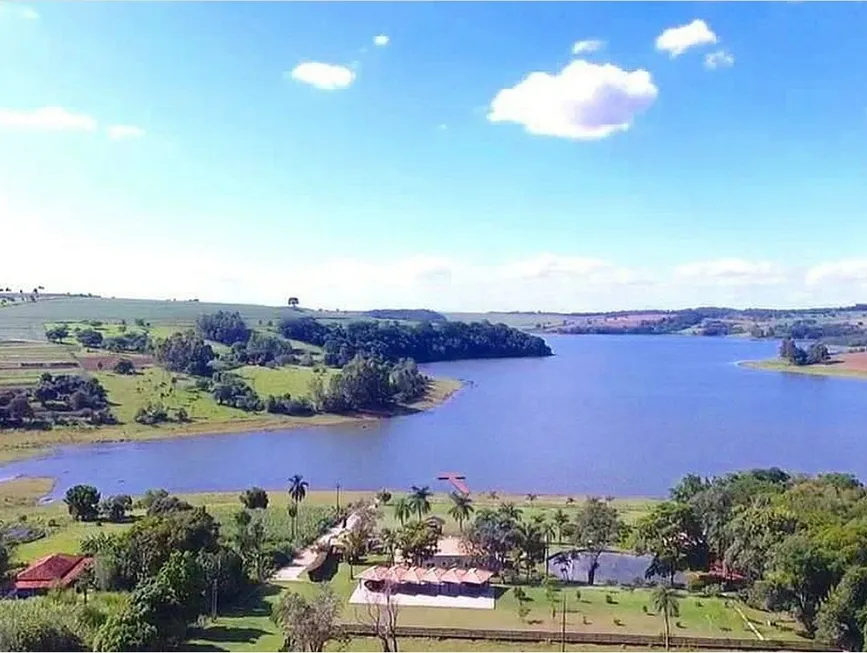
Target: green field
293 379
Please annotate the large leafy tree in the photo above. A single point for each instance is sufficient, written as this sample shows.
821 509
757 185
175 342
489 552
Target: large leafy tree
82 502
186 352
842 618
672 534
597 527
803 573
307 625
253 498
417 542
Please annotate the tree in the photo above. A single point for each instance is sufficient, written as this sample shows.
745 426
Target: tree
417 542
115 507
250 542
804 574
672 534
19 408
307 625
402 509
531 498
82 502
842 617
666 603
124 366
818 353
560 519
597 527
293 302
382 617
354 548
57 333
297 491
253 498
462 508
521 600
790 352
185 352
552 595
224 327
126 630
419 500
90 338
689 486
530 545
383 496
389 542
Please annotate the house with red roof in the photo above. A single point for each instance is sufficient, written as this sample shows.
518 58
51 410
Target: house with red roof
57 570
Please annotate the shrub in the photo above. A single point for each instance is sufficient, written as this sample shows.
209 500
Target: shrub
124 366
610 599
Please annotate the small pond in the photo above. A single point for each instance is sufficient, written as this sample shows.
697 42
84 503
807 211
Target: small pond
615 567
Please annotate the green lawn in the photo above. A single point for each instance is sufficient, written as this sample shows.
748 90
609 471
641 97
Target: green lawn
293 379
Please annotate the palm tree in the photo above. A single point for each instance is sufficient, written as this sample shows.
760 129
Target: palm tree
389 542
419 500
532 497
510 511
492 495
665 601
530 544
354 547
547 529
570 501
461 509
560 520
297 491
402 509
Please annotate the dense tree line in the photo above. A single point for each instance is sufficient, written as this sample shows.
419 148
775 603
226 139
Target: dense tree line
57 399
800 542
406 314
424 343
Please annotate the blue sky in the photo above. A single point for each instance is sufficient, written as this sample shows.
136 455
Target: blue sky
687 154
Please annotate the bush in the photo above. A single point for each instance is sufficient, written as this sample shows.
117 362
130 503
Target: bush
124 366
287 405
152 414
38 624
232 390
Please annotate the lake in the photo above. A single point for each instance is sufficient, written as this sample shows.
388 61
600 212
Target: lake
618 415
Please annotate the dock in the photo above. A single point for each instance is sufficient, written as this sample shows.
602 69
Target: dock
457 481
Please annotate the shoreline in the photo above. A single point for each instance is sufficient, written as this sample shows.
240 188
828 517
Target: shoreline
827 370
22 444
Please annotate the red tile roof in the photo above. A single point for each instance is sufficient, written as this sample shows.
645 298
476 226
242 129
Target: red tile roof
433 576
55 570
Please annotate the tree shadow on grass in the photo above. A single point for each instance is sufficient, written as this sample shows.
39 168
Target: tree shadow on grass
226 634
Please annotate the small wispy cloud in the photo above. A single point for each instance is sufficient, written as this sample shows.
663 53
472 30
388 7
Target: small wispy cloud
381 40
124 132
324 76
590 45
719 59
677 40
46 119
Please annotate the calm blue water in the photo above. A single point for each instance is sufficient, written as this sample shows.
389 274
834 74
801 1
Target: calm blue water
616 415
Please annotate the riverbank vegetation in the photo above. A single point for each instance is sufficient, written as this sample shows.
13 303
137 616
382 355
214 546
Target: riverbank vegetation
224 373
816 360
766 555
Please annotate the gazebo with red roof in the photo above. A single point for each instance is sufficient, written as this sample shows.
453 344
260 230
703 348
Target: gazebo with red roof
57 570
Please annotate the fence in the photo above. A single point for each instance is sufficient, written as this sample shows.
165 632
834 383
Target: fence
614 639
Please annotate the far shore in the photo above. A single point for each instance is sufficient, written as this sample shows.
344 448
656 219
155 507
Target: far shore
841 367
21 444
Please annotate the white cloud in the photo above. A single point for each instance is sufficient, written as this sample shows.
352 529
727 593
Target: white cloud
17 10
381 40
590 45
125 132
324 76
677 40
733 272
442 127
719 59
584 101
835 272
46 119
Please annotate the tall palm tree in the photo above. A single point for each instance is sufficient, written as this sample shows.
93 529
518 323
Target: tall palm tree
492 495
402 509
462 508
419 499
297 491
560 520
510 511
532 497
665 601
531 545
354 547
547 529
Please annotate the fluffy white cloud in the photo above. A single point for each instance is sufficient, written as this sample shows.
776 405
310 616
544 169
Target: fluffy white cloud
677 40
733 272
46 119
17 10
834 272
590 45
381 40
324 76
719 59
125 132
584 101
